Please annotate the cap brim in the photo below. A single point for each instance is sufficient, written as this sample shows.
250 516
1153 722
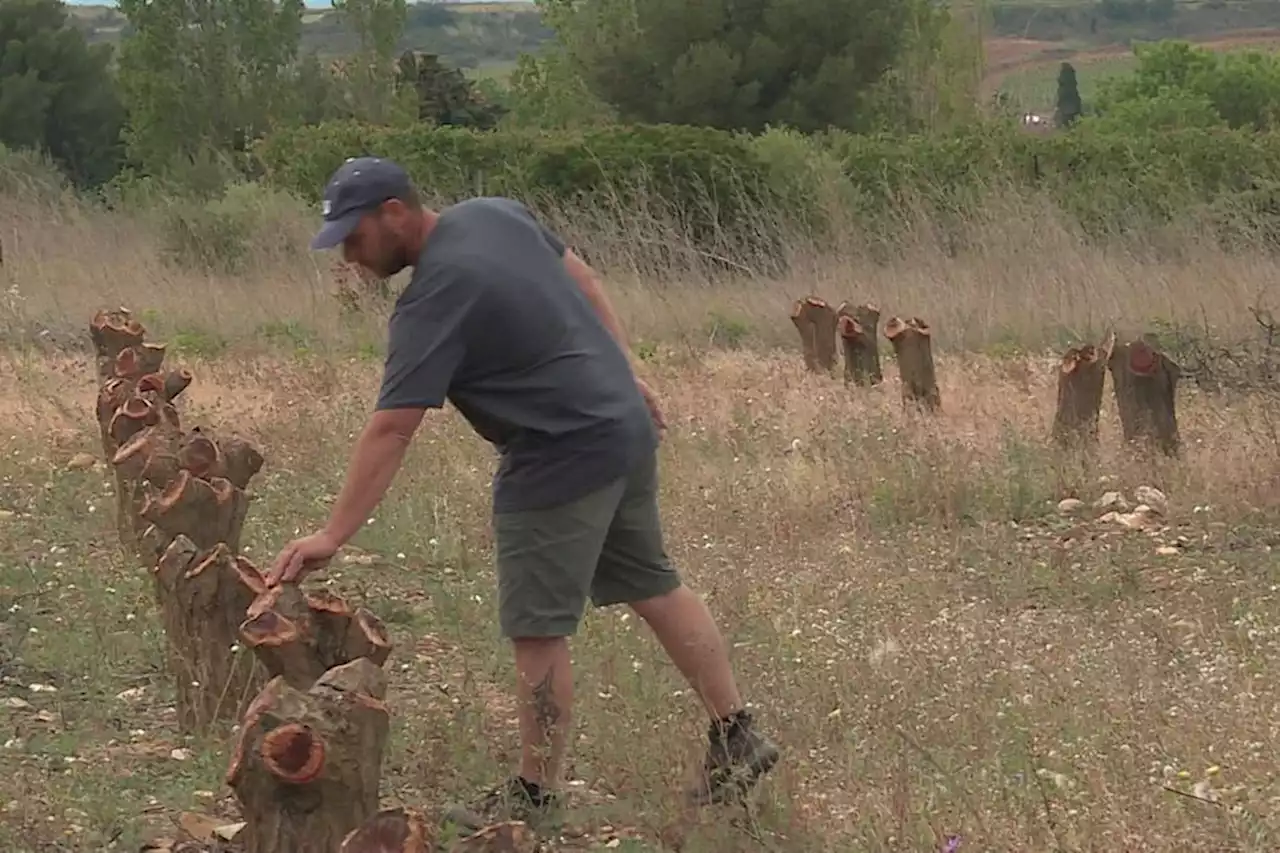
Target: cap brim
334 232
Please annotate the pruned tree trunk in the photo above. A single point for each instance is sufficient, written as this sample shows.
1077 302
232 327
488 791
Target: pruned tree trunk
1081 377
133 394
307 765
857 329
201 592
816 322
912 344
1146 384
299 636
181 505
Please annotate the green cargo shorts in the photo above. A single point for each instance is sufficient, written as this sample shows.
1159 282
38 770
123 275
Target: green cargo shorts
607 545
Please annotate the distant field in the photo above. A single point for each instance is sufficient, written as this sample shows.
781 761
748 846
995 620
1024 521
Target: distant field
1028 69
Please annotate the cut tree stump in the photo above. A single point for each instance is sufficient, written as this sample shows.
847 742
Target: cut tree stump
133 393
816 322
1082 374
401 830
857 327
1146 385
307 764
299 636
181 504
397 830
912 344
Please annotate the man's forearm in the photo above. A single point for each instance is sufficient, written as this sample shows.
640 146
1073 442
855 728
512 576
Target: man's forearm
374 462
595 294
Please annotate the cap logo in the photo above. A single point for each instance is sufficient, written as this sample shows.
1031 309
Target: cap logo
326 208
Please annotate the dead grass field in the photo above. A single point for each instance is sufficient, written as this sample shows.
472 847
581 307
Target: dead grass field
938 650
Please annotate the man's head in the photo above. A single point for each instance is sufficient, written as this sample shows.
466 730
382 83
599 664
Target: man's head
372 210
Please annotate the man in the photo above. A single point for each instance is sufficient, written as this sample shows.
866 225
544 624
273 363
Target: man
514 329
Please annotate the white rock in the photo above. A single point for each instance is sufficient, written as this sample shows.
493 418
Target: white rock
1112 501
1153 498
1070 506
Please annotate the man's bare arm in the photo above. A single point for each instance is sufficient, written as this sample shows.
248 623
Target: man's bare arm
374 462
590 284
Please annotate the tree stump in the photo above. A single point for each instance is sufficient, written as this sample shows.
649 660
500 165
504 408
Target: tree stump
133 394
1081 377
299 636
181 504
307 764
397 830
194 506
816 322
857 329
912 344
401 830
1146 383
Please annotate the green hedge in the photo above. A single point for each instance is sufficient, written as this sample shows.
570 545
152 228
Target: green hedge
709 179
1108 181
720 183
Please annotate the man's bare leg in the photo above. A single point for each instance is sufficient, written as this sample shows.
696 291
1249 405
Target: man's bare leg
691 638
736 754
544 690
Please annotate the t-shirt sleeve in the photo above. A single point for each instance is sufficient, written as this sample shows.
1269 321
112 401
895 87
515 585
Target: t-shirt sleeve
550 236
426 340
557 245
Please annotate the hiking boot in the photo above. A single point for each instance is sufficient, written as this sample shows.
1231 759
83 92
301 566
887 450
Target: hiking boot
514 799
736 759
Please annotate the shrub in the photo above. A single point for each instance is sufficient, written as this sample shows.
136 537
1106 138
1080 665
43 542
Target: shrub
712 182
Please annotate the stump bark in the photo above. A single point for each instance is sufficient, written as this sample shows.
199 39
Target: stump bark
856 326
815 320
307 764
1146 385
1082 374
912 344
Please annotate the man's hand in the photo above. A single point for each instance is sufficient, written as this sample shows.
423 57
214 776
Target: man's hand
301 557
655 411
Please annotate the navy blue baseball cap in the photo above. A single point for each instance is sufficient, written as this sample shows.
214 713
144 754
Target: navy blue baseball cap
357 187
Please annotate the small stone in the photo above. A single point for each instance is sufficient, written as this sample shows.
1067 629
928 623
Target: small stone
81 462
1167 551
16 704
1112 501
1070 506
180 754
1153 498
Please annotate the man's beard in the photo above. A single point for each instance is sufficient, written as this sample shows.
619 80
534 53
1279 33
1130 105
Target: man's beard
392 264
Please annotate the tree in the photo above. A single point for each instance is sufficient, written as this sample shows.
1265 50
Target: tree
1069 107
56 92
371 73
444 95
735 64
202 76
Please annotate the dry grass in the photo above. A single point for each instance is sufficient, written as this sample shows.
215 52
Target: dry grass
939 652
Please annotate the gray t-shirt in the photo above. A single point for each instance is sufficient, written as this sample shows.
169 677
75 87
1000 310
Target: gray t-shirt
493 322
